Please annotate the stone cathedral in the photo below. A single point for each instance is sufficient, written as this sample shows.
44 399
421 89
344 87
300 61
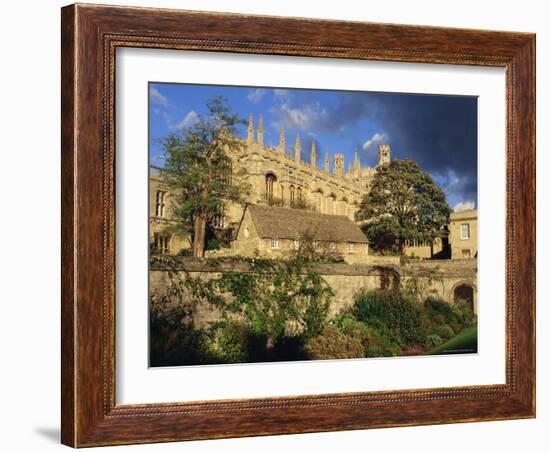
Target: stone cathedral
289 194
280 176
290 185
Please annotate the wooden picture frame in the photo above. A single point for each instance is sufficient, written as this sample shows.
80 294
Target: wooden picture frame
90 36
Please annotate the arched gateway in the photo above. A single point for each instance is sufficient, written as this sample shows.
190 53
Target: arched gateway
464 292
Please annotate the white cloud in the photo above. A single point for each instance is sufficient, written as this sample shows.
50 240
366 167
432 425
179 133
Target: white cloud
374 141
157 98
256 95
281 92
308 117
190 120
467 205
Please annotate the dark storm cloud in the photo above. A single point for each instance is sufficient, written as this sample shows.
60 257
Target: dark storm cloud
438 132
313 115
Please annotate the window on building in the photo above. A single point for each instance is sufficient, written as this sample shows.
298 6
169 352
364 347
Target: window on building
228 173
296 244
319 201
160 203
328 206
299 194
270 180
218 221
344 206
465 231
274 244
315 244
162 243
332 246
331 207
282 195
351 248
292 192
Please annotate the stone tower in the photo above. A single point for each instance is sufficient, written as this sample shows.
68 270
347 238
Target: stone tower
297 148
327 163
356 162
261 131
282 144
313 159
339 165
384 154
250 133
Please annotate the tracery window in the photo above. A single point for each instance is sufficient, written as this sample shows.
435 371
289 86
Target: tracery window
270 180
160 203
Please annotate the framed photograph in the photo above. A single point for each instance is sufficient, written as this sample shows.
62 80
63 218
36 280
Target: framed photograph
282 225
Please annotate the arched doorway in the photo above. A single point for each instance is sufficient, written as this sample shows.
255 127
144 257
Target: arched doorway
464 292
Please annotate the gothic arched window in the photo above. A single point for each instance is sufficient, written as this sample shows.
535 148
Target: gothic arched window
331 201
270 180
292 195
319 201
229 173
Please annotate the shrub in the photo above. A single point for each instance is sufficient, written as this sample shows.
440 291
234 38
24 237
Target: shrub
176 344
279 298
380 344
332 344
448 319
350 326
213 244
434 340
403 318
445 332
376 343
232 341
438 309
464 314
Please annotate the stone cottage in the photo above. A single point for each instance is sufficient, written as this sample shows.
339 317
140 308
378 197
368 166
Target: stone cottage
274 231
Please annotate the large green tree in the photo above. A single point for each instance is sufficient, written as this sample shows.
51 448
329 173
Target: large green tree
403 203
198 168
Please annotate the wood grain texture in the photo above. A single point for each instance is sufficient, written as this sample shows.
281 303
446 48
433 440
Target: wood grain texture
90 36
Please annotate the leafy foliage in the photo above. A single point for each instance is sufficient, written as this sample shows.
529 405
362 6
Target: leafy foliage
232 341
279 310
198 167
447 320
401 317
376 343
403 203
333 344
434 340
310 251
176 343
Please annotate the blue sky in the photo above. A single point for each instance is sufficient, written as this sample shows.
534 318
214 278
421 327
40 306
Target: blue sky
439 132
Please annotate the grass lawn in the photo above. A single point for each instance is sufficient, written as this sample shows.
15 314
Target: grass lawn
463 342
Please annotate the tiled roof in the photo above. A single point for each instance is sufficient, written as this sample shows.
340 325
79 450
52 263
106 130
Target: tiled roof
283 223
